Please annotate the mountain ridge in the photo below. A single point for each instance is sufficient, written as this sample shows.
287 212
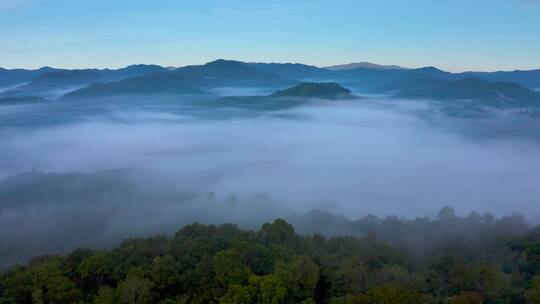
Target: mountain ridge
425 82
223 72
324 90
470 88
364 64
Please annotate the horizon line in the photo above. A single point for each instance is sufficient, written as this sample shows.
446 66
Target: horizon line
172 66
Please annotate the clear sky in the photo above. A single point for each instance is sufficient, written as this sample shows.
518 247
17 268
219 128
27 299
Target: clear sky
454 35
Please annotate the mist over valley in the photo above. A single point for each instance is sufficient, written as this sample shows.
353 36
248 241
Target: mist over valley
140 153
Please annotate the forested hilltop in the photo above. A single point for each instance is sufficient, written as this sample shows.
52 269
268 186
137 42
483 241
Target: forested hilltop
473 259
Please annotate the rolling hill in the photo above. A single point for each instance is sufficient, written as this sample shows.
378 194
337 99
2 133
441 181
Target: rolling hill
475 89
233 73
298 95
327 90
53 83
10 77
160 83
185 80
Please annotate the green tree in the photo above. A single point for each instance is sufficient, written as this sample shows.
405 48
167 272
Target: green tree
239 294
300 275
17 285
61 290
135 289
267 289
350 277
271 290
165 274
106 295
393 294
96 270
467 298
279 232
229 268
49 284
533 294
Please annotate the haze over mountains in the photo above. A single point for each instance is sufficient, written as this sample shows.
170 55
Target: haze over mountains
512 88
44 81
96 152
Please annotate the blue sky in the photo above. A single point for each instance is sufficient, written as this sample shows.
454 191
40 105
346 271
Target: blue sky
454 35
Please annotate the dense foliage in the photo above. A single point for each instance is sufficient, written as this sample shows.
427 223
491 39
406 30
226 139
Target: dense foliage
474 259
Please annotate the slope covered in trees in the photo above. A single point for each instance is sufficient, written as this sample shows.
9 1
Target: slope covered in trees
327 90
224 264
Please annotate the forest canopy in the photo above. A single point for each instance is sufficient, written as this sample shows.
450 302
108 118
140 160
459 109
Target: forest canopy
447 259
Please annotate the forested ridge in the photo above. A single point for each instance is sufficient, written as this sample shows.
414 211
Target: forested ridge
444 259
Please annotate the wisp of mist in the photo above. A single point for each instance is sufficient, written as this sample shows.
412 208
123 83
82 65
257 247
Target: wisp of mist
354 157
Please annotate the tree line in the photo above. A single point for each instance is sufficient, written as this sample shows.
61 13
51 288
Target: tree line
446 259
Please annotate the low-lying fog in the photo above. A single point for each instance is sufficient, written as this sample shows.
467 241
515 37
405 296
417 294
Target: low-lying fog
356 157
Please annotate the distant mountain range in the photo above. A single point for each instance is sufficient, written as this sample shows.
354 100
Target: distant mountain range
233 73
471 88
364 65
159 83
513 88
294 71
185 80
18 76
47 78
